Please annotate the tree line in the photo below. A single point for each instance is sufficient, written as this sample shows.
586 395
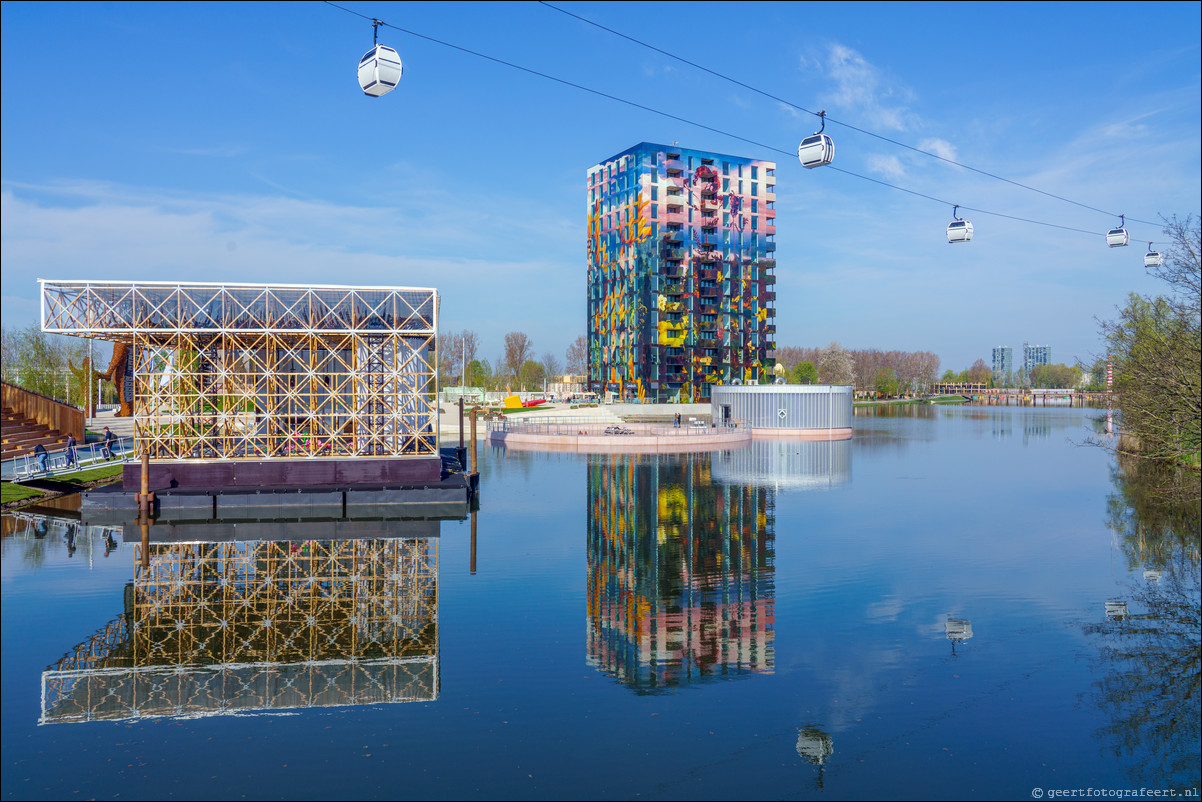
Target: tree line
889 372
1156 344
517 366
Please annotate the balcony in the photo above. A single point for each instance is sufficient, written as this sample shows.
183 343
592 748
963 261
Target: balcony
707 274
709 205
708 256
705 309
672 236
673 289
769 280
672 253
709 222
768 264
770 247
708 292
768 197
768 297
671 217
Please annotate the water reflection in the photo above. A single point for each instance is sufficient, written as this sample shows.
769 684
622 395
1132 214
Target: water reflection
680 572
234 627
785 464
1149 640
37 533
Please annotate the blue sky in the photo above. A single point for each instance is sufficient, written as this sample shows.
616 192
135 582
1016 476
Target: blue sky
230 142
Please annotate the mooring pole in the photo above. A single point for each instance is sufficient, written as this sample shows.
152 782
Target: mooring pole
145 524
473 458
142 505
473 564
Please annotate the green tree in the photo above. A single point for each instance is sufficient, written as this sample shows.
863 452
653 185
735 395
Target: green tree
531 375
886 382
805 373
1156 345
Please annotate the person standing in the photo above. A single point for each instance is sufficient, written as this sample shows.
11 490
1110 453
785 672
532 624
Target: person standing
39 453
72 456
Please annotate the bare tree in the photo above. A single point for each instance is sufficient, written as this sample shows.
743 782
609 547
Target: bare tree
577 356
518 349
980 372
469 345
552 367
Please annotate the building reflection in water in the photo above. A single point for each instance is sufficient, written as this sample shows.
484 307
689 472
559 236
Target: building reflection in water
786 464
680 572
234 627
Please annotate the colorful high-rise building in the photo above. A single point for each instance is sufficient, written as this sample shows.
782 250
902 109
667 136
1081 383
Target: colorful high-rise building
681 272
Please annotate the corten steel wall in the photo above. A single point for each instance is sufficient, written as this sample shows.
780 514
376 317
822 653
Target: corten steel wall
266 372
681 261
796 407
46 411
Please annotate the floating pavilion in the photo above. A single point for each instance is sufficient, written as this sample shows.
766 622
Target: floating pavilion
260 386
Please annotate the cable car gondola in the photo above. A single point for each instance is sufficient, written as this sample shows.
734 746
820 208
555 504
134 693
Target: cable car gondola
958 230
1117 237
817 150
380 67
1153 258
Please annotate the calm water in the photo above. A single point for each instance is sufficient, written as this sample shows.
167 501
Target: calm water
921 612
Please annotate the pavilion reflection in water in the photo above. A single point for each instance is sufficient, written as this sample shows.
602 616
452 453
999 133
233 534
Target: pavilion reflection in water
235 627
786 464
680 572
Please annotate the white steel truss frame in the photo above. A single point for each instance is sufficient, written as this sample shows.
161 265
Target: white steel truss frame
245 371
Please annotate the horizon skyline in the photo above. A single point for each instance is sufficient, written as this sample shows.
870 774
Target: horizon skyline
250 154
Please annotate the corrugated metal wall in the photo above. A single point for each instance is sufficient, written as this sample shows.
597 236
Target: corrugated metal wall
785 406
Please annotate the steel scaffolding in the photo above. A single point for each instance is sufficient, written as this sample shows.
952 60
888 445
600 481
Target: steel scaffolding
241 371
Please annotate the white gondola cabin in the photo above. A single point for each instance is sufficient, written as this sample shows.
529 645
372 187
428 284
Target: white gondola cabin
1153 258
379 71
1117 237
816 151
959 231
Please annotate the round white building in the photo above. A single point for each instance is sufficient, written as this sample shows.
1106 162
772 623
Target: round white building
806 411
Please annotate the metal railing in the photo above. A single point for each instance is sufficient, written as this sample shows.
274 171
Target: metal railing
59 462
610 427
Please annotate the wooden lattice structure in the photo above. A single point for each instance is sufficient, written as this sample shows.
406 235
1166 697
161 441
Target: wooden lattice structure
265 372
227 627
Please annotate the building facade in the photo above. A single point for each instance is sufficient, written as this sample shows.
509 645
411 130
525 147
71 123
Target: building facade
1034 355
681 272
1003 364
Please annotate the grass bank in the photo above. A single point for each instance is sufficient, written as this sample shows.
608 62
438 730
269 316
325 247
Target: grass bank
17 495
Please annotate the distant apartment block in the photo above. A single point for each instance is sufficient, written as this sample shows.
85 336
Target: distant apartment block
1003 363
681 272
1034 355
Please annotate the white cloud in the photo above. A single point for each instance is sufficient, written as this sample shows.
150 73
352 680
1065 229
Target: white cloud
940 147
865 89
486 264
888 166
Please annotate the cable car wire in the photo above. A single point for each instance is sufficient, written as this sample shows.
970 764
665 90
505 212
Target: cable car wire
694 123
865 131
